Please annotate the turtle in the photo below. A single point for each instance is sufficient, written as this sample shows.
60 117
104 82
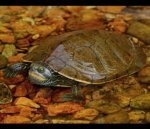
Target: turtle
80 58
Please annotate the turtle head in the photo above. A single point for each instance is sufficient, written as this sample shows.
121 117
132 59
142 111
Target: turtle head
41 74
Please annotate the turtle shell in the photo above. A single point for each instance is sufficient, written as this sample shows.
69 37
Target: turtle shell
90 56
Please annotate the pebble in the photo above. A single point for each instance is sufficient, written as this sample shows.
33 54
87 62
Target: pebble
141 101
135 116
144 75
61 121
9 50
147 117
26 102
3 61
108 108
63 108
88 114
16 119
142 32
119 117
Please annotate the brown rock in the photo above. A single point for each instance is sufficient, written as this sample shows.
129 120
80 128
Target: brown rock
118 25
43 96
21 43
45 30
26 102
10 109
141 101
144 75
63 108
115 118
111 9
16 58
135 116
42 121
108 108
27 111
61 121
7 38
147 117
142 32
16 119
20 91
88 114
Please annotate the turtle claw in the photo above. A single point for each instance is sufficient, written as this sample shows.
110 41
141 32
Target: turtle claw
75 96
72 97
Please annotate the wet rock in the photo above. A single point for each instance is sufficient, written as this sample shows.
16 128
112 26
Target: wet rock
118 25
108 108
95 104
61 121
88 114
27 111
135 116
1 48
17 58
21 43
144 75
7 38
20 91
42 121
122 100
9 50
141 101
3 61
26 102
43 96
119 117
63 108
10 109
111 9
142 32
147 117
16 119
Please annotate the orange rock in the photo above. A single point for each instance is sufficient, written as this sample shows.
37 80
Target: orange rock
27 111
7 38
74 9
10 109
23 43
10 81
88 114
45 30
16 58
37 117
43 96
30 88
111 9
118 25
22 26
26 102
63 108
16 119
21 90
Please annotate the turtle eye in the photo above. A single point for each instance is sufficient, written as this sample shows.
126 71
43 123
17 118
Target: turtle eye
35 67
40 69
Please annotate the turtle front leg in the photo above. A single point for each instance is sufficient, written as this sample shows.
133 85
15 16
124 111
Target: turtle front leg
14 69
74 96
